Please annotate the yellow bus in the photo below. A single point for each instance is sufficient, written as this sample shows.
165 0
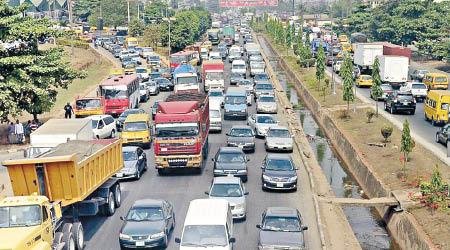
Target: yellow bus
437 106
435 81
132 42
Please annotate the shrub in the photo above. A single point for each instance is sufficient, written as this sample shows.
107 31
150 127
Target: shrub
76 43
369 113
386 132
344 114
307 62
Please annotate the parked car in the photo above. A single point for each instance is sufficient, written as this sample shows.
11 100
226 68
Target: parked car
241 136
260 123
153 87
263 89
400 101
231 161
417 89
419 74
144 92
386 88
148 223
235 78
442 135
164 84
278 172
155 108
266 104
124 115
216 95
103 126
281 228
279 138
134 163
231 189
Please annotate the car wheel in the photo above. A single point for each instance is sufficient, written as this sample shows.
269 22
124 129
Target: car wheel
392 110
433 123
385 107
113 133
437 138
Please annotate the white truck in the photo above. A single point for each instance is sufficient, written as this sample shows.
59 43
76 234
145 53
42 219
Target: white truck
58 131
393 69
365 54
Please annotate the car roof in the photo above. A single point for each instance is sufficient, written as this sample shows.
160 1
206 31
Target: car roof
129 148
281 211
279 127
148 202
207 212
230 150
240 127
266 96
226 180
279 157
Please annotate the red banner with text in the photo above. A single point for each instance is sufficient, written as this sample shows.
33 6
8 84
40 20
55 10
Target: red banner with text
247 3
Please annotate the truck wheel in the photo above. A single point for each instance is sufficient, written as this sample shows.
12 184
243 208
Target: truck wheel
78 235
113 133
117 195
67 228
57 240
69 243
433 123
110 207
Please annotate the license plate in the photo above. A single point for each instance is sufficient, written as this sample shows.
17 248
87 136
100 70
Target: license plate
119 175
280 185
405 103
140 243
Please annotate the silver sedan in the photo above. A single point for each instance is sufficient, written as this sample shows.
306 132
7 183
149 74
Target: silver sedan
266 104
278 138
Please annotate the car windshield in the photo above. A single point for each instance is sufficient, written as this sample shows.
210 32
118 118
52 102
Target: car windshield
214 113
287 224
235 53
386 87
258 65
162 81
142 87
279 165
187 80
215 93
241 132
265 119
226 190
176 129
267 99
366 78
246 82
88 104
135 126
402 98
141 70
151 83
440 79
235 99
129 156
94 123
261 77
238 66
236 75
126 59
230 157
204 236
419 86
145 214
264 87
20 216
155 75
214 76
283 133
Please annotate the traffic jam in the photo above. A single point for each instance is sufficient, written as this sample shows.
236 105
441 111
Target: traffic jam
209 121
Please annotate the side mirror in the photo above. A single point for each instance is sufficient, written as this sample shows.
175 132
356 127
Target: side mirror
206 192
212 159
258 226
177 240
121 218
304 228
232 240
246 193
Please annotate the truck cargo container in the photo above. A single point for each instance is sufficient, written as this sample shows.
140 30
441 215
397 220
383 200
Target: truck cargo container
393 69
390 49
365 54
181 129
185 78
57 131
228 35
52 191
212 74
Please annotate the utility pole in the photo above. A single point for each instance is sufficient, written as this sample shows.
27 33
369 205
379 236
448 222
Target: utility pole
293 7
333 83
69 6
128 4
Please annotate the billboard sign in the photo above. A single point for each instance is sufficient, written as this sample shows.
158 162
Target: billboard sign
247 3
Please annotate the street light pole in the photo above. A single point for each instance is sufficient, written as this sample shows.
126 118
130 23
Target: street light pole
71 24
333 83
128 5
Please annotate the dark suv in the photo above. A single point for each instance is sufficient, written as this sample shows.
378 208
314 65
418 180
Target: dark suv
400 101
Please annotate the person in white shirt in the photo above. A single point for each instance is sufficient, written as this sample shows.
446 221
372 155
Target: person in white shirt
19 131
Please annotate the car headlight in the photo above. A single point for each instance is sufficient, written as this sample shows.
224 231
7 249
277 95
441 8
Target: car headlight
239 206
292 179
243 111
218 171
242 171
266 178
158 235
124 236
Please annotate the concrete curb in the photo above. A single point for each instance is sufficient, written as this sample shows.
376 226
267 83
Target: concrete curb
418 138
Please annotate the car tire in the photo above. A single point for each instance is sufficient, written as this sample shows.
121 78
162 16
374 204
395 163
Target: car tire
57 240
113 133
391 110
385 107
437 138
433 123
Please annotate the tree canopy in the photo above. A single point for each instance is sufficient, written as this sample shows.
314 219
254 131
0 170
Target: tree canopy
188 27
29 77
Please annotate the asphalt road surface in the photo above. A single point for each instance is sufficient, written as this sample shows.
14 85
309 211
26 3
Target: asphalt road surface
181 188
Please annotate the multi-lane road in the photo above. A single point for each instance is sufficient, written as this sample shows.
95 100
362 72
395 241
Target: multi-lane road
181 188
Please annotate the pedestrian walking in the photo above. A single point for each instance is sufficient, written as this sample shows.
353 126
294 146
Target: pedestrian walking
69 111
11 133
19 131
27 128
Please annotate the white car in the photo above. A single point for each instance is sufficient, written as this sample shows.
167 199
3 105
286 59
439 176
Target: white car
103 126
418 89
124 53
278 138
266 104
247 84
217 94
237 38
337 66
215 55
144 93
215 119
143 73
146 52
231 189
261 123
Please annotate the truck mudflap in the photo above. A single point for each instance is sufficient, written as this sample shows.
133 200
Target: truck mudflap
179 161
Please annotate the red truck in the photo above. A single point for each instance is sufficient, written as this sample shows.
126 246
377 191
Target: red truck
390 49
212 74
180 131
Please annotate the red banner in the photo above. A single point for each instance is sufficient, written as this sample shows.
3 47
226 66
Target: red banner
247 3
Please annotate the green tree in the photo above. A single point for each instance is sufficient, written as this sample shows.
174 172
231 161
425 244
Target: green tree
156 11
407 143
188 27
29 77
82 9
114 13
320 65
346 73
136 27
154 34
377 92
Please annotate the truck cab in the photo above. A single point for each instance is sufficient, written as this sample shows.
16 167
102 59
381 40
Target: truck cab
185 78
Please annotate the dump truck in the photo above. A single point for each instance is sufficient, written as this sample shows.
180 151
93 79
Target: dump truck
86 106
181 129
57 131
212 74
52 191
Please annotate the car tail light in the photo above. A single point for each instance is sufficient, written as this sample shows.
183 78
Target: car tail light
414 100
395 99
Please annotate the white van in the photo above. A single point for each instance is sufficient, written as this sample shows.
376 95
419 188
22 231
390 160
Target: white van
239 66
208 225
